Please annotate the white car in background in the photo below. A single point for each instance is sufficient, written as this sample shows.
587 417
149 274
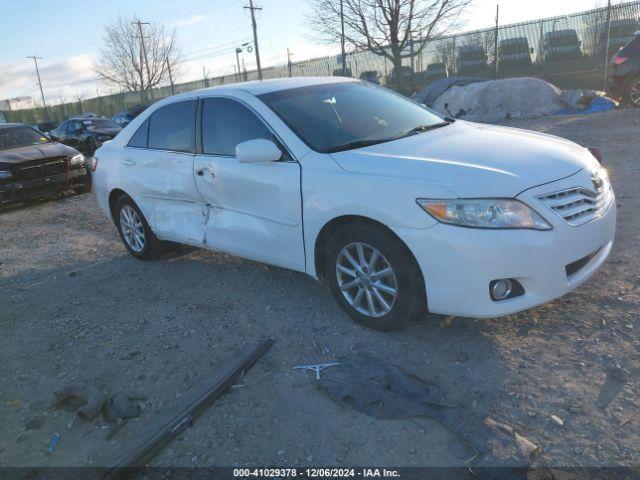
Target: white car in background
398 209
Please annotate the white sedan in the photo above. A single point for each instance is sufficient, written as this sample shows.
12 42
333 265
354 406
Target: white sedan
395 207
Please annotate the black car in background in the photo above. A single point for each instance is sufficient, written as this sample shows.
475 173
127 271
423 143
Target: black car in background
624 75
31 165
86 133
45 127
124 118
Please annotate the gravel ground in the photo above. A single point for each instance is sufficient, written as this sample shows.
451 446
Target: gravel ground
76 307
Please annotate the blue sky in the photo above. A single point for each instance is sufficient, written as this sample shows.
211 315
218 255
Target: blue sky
67 34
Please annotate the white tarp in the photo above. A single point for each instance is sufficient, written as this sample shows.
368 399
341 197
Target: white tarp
496 99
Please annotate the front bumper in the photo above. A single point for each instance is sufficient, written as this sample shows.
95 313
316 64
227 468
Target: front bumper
459 263
14 192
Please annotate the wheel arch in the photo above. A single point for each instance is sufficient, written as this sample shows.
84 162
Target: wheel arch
334 224
114 195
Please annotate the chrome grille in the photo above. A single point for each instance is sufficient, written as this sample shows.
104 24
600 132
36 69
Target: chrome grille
578 205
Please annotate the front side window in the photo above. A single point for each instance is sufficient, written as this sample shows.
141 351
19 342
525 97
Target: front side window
172 127
341 116
226 123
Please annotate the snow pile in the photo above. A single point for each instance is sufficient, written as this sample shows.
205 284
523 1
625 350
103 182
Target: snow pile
499 99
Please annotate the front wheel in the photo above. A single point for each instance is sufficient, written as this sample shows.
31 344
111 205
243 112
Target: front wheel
632 91
135 233
374 277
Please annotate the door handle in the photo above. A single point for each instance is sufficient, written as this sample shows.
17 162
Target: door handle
128 161
200 172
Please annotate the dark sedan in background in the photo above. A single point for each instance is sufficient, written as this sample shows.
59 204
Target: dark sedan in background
624 76
31 165
124 118
86 133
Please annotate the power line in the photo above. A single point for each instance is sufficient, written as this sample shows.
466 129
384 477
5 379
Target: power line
255 35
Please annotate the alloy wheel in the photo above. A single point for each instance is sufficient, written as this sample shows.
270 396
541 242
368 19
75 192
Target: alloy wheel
366 279
132 229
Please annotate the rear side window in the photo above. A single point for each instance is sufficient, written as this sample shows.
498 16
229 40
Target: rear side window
226 123
172 127
140 138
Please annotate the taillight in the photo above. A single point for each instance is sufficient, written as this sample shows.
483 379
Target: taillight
618 60
595 151
94 164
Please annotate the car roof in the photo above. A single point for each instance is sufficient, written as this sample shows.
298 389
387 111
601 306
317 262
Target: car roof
259 87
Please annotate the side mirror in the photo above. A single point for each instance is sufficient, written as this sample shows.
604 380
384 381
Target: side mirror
258 151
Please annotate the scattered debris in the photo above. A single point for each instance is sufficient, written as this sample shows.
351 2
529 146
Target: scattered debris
386 391
316 368
193 403
557 420
53 443
90 401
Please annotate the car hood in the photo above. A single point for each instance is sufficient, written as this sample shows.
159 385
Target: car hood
472 160
35 152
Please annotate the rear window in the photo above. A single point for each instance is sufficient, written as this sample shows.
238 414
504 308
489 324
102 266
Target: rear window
172 127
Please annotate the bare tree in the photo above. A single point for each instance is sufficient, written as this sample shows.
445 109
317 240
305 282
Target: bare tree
122 59
385 27
446 53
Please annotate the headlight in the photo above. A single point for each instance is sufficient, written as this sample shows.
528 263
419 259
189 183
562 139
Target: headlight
77 159
484 213
5 174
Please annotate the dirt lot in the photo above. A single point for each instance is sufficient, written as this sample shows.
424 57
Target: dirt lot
76 307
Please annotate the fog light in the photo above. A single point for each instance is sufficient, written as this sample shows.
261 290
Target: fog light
501 289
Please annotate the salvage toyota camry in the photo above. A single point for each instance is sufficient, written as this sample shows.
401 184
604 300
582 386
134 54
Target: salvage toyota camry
397 208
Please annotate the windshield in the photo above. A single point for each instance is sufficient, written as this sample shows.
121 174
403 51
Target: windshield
94 123
342 116
20 136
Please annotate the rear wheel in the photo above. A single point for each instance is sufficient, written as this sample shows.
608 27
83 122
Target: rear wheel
374 277
632 91
135 233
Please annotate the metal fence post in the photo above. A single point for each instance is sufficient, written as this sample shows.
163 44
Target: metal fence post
607 47
495 45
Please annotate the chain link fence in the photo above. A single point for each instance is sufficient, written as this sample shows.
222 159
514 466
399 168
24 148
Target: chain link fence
571 51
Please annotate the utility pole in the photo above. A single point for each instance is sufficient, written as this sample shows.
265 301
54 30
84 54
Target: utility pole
495 44
255 35
173 90
342 52
204 74
44 103
289 65
144 53
606 54
238 50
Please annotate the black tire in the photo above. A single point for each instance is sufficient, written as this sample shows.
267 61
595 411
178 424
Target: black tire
92 146
631 88
82 185
153 247
410 301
